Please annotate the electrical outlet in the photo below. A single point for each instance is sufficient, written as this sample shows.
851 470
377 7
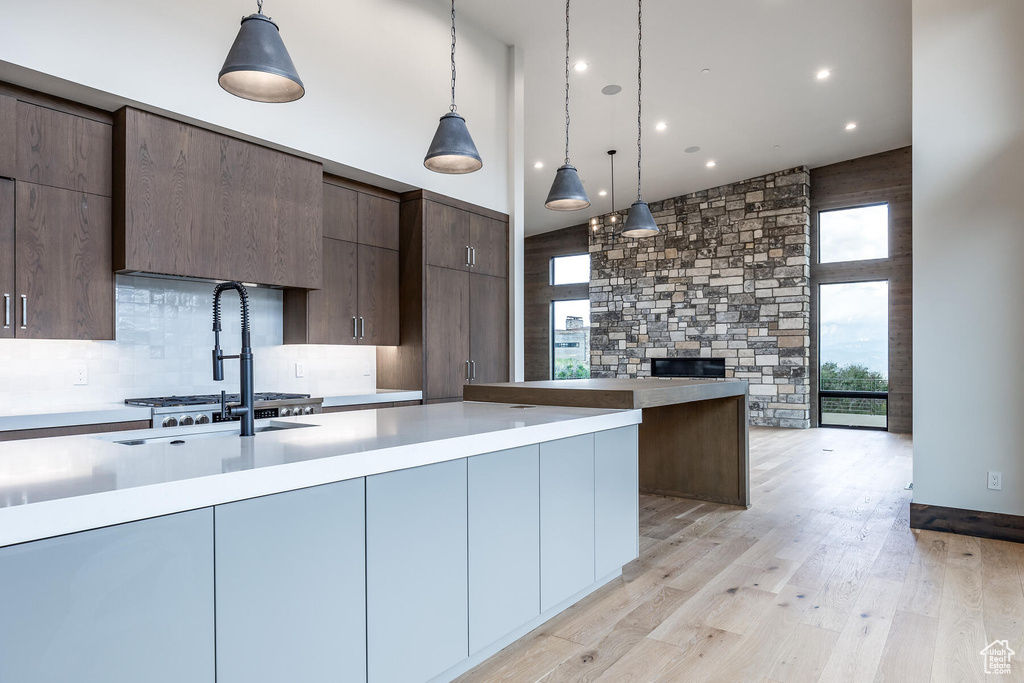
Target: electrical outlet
300 369
995 481
80 375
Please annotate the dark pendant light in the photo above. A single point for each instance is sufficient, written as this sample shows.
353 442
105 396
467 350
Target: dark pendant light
452 149
258 67
639 222
567 193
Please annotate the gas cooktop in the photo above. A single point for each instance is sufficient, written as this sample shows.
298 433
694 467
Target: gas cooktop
207 399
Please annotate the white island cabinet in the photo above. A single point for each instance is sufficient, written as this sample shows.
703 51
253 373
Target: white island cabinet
401 545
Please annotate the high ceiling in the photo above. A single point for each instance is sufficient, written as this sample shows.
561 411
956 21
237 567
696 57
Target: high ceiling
760 107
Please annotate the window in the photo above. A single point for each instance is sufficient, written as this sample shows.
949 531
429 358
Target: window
570 339
569 270
853 234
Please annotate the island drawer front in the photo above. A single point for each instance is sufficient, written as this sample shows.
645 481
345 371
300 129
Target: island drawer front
291 576
417 602
122 604
566 518
504 543
617 511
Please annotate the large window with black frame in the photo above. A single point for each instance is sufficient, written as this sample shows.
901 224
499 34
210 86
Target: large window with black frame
570 320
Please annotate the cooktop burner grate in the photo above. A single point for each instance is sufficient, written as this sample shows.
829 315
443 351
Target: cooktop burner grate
207 399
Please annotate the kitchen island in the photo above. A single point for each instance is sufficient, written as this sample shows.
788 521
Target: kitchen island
403 544
694 435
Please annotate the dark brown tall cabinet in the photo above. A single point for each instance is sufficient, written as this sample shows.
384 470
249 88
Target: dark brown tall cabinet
358 302
56 273
454 295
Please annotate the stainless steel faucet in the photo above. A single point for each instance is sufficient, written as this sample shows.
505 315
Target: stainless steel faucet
246 411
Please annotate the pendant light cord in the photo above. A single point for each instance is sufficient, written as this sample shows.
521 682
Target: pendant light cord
259 6
452 108
567 82
639 91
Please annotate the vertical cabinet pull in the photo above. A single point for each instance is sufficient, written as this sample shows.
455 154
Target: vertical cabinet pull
362 327
468 262
7 311
468 376
24 311
472 367
472 260
355 331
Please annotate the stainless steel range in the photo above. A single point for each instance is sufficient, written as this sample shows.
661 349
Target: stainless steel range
182 411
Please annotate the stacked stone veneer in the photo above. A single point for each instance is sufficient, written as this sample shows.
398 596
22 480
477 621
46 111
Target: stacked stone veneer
728 277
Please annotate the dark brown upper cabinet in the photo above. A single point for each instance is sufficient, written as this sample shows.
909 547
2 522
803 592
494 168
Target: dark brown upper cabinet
341 213
378 221
64 279
194 203
62 150
8 137
456 237
488 241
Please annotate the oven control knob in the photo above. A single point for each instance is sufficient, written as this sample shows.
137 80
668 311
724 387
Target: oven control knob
186 421
308 410
169 422
285 412
202 419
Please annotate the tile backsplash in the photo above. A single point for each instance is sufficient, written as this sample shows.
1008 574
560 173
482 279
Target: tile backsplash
163 346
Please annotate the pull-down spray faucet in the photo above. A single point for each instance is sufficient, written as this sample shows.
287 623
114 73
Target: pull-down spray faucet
245 411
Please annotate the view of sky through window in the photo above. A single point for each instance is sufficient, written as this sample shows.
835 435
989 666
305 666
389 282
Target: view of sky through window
854 323
568 270
853 234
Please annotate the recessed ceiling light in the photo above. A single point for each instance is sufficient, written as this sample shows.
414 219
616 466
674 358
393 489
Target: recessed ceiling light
602 193
776 146
711 164
823 74
705 71
611 89
851 125
539 164
691 150
580 66
661 125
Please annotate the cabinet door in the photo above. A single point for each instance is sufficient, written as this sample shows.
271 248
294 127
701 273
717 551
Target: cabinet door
566 518
123 604
8 137
378 296
8 302
63 150
504 543
416 575
617 496
488 328
378 221
489 239
341 213
445 236
291 586
333 310
63 264
446 348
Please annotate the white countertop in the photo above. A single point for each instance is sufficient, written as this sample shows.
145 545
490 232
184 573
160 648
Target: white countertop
44 417
55 486
380 396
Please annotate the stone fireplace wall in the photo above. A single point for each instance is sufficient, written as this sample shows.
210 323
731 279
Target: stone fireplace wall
728 277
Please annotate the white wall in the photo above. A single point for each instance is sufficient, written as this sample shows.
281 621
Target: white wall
376 73
164 339
968 253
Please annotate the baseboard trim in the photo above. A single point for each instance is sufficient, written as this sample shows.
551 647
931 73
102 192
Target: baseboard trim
994 525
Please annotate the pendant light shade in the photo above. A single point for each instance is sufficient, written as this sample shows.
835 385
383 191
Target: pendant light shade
640 221
452 150
258 66
567 193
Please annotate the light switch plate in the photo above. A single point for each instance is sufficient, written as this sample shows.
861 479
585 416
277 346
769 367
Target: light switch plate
300 369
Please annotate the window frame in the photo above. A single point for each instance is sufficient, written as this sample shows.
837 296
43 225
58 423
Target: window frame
854 207
551 270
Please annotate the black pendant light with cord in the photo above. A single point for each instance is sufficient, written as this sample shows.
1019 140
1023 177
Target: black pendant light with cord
258 66
640 221
567 193
452 150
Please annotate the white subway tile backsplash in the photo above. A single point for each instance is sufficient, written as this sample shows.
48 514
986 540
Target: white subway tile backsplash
163 345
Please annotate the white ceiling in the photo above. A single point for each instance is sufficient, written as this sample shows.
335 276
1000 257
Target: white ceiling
761 90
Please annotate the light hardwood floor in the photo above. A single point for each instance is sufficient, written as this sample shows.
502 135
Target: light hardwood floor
821 580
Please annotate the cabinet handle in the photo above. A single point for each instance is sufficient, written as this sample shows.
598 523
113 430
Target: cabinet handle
472 365
472 251
362 327
355 330
7 311
468 263
24 311
468 376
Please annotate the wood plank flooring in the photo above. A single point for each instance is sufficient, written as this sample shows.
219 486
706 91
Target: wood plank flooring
821 580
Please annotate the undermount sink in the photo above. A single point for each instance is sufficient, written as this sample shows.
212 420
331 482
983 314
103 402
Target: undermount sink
182 439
